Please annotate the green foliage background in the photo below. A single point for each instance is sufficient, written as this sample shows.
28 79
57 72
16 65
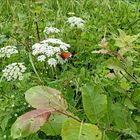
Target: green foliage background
17 27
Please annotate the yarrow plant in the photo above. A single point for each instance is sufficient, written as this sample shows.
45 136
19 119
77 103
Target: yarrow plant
41 58
7 51
51 49
52 62
76 22
14 71
51 30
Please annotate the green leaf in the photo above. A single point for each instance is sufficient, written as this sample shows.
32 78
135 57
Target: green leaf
125 40
74 130
95 104
122 118
114 64
54 125
42 97
29 123
136 97
124 84
129 104
5 121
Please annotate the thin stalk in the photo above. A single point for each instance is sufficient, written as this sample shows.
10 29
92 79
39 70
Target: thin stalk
30 57
37 29
123 61
65 113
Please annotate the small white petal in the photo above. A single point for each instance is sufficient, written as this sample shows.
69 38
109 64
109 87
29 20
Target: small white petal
52 62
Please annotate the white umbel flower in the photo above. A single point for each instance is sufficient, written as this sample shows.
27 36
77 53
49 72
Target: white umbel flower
52 41
41 58
76 22
14 71
50 30
49 47
7 51
39 48
52 62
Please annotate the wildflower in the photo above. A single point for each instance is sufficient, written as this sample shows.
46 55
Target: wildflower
41 58
56 49
50 51
14 71
39 48
60 59
49 30
76 22
50 48
52 41
7 51
52 62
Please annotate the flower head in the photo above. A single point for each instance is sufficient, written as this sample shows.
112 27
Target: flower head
76 22
14 71
52 62
41 58
50 48
49 30
7 51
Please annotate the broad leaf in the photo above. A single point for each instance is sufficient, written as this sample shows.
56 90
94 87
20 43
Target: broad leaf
74 130
43 97
29 123
122 118
54 125
95 104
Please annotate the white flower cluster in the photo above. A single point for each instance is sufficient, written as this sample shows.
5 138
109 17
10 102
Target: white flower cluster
76 22
14 71
7 51
50 30
50 48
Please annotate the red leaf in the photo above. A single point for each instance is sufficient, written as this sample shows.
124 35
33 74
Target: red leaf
30 122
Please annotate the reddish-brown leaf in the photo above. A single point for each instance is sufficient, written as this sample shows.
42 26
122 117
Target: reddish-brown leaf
30 122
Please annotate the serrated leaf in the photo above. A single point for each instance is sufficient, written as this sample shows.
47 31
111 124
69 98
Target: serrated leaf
29 123
95 104
54 125
124 84
125 41
113 63
74 130
42 97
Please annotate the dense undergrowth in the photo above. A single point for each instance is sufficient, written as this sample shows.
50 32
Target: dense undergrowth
100 82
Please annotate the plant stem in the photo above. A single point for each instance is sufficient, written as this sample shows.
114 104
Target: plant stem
37 29
122 59
30 57
65 113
